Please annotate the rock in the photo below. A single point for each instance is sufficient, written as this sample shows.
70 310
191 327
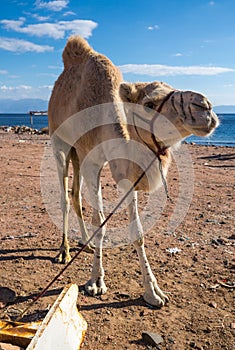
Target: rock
213 304
173 251
146 312
44 130
7 295
152 339
217 241
25 129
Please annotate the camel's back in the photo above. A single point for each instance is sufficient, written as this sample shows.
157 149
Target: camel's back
88 79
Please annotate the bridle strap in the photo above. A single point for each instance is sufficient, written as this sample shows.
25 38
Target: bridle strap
160 150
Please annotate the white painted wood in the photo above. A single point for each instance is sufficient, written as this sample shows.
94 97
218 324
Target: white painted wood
63 327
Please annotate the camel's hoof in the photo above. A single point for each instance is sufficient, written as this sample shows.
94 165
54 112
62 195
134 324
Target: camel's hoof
154 300
96 286
62 258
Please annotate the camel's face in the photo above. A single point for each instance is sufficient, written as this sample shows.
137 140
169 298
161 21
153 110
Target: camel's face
195 112
190 112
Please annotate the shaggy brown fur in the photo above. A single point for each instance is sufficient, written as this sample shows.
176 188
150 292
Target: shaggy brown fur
89 78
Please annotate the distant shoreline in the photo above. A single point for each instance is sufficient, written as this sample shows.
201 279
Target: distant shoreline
29 134
223 136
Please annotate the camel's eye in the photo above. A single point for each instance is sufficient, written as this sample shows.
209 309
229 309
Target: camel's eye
149 105
199 106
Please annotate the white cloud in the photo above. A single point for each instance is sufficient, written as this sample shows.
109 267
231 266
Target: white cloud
55 67
155 27
69 13
56 5
36 16
12 88
40 18
2 71
155 70
25 91
178 54
54 30
18 45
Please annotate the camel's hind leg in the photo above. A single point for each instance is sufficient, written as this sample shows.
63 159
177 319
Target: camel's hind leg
62 160
77 199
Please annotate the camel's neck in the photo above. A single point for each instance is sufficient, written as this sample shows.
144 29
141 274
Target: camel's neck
159 136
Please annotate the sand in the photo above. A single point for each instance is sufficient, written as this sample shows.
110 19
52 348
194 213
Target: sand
194 264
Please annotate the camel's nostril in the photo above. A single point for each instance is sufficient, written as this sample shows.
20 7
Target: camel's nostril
214 121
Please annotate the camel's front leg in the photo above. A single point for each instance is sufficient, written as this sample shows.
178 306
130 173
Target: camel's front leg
96 285
153 294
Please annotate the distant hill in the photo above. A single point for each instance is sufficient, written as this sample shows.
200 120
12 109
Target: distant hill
36 104
225 109
23 106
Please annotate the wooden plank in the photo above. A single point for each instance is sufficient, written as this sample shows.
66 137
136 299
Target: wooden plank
63 327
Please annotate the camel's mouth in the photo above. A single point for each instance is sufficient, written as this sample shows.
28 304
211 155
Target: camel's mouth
206 127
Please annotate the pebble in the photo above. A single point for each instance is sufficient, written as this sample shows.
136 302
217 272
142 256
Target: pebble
213 304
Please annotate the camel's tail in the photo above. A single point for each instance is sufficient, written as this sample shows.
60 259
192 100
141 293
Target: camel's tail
75 51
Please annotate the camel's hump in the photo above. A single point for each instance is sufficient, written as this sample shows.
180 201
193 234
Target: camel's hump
76 51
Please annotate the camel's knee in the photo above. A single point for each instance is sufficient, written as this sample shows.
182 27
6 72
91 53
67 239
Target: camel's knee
139 242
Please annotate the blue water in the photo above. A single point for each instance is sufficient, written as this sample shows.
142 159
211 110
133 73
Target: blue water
223 136
38 122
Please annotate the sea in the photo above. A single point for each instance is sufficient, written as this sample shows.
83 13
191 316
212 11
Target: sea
223 136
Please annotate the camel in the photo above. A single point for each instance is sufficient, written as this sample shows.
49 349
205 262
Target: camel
95 118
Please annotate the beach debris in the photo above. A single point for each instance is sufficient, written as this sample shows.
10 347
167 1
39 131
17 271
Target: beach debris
218 241
214 286
18 333
173 251
26 235
221 241
227 283
152 339
24 129
212 221
63 316
5 346
7 296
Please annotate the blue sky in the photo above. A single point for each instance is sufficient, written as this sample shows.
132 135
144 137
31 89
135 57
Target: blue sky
190 44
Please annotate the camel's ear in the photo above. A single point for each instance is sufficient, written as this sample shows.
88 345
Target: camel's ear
128 92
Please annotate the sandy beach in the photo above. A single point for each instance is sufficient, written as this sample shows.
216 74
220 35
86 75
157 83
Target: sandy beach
198 276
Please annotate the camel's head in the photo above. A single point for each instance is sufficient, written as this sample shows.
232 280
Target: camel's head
190 112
